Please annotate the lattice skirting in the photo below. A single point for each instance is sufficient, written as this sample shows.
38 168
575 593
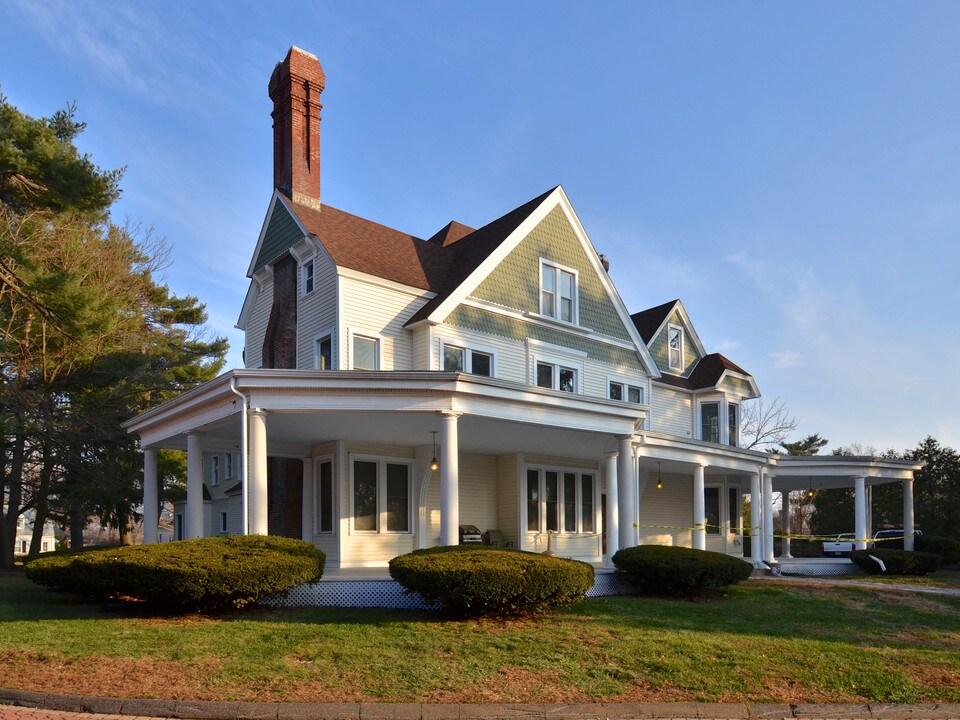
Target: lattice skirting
392 595
815 569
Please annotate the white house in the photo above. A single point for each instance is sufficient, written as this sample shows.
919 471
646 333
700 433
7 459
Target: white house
397 388
24 535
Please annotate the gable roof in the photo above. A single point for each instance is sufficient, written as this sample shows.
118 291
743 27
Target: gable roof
450 233
469 252
708 374
649 321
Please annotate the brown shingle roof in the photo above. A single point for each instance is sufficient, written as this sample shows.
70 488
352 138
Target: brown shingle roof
705 375
376 249
648 321
451 233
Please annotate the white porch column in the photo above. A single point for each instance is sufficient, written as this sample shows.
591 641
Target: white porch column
785 524
860 512
699 510
908 525
151 497
768 556
627 500
306 509
449 480
613 510
259 511
869 490
756 519
193 520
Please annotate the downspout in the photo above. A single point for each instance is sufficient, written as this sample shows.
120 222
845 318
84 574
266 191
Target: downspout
244 499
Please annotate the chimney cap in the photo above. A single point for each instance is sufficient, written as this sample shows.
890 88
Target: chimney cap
299 64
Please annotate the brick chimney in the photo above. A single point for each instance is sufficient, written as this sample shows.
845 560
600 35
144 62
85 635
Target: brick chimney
295 88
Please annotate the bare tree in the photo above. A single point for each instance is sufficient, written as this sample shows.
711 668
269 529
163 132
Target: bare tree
765 426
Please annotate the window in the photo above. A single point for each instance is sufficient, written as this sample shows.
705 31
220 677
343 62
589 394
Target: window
44 546
675 347
223 521
556 377
558 292
178 526
228 466
710 422
323 352
458 359
366 353
626 392
381 496
711 497
560 500
734 509
733 425
308 278
215 470
23 547
324 497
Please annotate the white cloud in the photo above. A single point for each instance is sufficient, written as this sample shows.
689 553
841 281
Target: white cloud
786 359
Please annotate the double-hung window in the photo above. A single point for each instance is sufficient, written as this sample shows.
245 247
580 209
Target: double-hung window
675 347
215 470
228 466
223 521
556 377
381 494
323 352
558 292
733 424
560 501
308 277
710 422
459 359
711 507
626 392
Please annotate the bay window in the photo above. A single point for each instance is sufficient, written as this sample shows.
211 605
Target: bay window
710 422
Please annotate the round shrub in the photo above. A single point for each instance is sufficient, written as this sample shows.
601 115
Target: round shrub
897 562
482 580
202 574
947 548
667 570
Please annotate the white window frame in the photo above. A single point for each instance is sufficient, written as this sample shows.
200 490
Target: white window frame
734 528
215 470
542 471
382 463
720 488
228 466
627 383
556 268
223 522
317 462
557 361
683 340
721 406
309 268
44 546
316 349
732 441
468 351
353 334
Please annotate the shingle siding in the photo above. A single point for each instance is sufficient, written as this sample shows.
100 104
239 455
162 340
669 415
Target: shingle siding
660 352
282 234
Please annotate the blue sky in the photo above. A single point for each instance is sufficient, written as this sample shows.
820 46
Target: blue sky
792 172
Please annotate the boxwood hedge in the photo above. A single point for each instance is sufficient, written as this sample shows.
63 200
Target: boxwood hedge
202 574
897 562
947 548
482 580
668 570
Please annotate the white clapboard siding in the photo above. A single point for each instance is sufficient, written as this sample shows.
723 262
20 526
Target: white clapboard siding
372 308
420 342
508 498
672 411
257 325
478 496
509 356
666 515
316 312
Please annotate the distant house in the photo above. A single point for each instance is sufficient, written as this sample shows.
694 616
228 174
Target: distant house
25 524
397 388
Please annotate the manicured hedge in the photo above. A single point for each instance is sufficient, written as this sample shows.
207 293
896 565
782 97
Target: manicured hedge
897 562
947 548
203 574
667 570
482 580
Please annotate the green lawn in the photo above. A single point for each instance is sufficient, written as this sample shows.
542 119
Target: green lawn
947 578
758 642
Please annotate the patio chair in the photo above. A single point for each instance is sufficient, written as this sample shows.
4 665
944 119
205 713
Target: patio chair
495 538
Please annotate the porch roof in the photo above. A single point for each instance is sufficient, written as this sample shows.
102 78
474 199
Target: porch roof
820 472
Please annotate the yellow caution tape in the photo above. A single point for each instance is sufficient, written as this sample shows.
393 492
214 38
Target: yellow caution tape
759 532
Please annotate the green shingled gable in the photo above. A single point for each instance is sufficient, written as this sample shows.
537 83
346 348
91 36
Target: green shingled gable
281 235
658 348
495 324
515 282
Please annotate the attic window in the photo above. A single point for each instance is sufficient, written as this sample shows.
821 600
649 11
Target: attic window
675 346
558 292
308 277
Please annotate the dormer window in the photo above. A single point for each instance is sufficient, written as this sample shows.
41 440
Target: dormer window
675 347
558 292
308 277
